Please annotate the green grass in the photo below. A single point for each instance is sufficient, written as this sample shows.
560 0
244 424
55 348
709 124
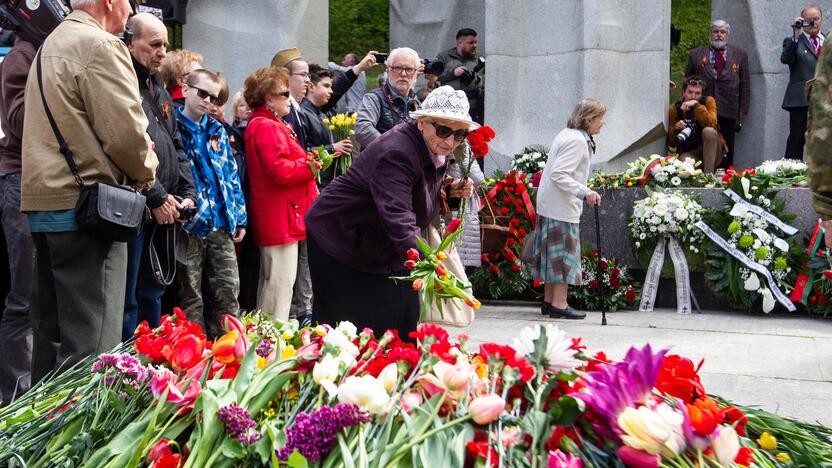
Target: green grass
693 17
358 26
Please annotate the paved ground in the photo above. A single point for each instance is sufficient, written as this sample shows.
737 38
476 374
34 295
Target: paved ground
781 363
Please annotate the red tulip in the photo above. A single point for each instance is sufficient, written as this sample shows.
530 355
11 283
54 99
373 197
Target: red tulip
413 254
410 264
417 284
441 271
638 459
187 352
454 225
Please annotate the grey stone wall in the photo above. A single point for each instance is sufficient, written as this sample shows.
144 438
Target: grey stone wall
543 56
237 37
430 26
759 26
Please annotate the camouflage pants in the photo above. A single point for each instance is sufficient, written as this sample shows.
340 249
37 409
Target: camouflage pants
214 256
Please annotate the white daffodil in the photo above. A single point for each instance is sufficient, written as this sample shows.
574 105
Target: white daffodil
781 244
558 355
768 300
752 283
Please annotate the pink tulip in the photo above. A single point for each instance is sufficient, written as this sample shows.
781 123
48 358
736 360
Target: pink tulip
486 408
230 322
635 458
558 459
454 377
431 384
411 401
310 351
163 379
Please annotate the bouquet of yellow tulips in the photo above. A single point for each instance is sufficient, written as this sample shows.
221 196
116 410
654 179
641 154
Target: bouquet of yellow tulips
342 127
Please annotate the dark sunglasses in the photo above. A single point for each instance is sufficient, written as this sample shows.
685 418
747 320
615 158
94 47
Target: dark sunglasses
215 100
283 94
696 83
444 132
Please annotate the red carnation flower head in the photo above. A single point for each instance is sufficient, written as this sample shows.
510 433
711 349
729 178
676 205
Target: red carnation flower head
593 284
630 294
603 265
827 274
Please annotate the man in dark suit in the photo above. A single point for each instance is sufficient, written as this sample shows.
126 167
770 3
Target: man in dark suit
800 53
725 70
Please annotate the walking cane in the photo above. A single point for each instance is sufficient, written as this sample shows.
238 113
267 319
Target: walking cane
598 248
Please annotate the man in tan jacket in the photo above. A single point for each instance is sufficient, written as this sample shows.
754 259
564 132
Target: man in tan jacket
92 92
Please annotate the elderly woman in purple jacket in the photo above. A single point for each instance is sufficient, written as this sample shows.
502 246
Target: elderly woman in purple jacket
363 223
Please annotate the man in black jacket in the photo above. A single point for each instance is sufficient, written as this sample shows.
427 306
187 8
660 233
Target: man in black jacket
173 190
16 325
800 53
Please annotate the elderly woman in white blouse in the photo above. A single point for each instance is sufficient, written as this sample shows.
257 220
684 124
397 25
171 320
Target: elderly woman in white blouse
560 198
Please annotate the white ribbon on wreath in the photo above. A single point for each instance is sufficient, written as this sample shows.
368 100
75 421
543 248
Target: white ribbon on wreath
654 273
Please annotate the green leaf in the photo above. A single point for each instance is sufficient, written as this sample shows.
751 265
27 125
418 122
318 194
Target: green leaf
566 411
536 424
233 448
296 460
423 246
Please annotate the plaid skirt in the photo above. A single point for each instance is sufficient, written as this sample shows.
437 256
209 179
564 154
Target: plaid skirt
557 252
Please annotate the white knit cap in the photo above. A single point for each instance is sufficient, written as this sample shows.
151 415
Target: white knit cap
446 103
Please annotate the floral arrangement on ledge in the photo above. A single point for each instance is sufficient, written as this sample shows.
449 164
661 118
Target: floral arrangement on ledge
531 161
784 172
757 238
607 285
666 213
269 394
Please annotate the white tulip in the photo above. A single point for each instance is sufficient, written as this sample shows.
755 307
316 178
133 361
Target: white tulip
752 283
726 445
746 185
365 391
348 329
325 372
388 376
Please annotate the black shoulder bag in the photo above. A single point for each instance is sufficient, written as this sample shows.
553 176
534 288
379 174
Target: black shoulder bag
112 212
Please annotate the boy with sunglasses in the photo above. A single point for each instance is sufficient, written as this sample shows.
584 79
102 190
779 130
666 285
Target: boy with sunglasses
220 219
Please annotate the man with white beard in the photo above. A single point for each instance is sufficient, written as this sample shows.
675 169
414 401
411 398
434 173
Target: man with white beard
727 80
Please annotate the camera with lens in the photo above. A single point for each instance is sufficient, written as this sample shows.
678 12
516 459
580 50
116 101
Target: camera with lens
33 20
434 67
186 212
686 132
803 24
468 75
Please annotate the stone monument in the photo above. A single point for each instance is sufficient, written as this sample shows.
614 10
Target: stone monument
430 26
759 27
237 37
544 56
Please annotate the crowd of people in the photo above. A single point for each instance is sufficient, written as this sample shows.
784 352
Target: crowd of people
716 93
236 218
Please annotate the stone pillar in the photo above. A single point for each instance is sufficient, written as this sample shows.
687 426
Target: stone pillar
759 27
544 56
430 26
237 37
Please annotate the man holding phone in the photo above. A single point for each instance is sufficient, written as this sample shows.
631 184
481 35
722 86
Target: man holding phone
800 53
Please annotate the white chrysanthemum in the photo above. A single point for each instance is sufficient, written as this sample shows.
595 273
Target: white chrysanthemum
660 209
681 214
558 355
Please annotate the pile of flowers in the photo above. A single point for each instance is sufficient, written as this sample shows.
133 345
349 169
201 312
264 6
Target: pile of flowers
607 285
670 213
784 172
271 394
531 161
656 171
507 216
759 240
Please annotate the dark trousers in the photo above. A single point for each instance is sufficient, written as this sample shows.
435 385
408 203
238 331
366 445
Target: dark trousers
143 294
797 132
248 263
16 325
78 306
366 299
727 129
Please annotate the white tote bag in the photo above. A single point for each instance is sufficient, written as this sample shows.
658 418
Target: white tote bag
456 313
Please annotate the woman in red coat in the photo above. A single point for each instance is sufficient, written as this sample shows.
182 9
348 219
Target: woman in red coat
282 188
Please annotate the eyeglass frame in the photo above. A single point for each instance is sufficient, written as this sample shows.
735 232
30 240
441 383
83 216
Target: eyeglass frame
404 71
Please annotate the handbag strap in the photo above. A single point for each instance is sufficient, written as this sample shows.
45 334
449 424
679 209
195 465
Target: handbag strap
62 146
164 278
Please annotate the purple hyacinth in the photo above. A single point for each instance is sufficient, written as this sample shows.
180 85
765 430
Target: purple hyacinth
617 386
238 423
313 434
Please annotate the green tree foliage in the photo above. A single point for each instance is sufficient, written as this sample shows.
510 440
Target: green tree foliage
358 26
693 17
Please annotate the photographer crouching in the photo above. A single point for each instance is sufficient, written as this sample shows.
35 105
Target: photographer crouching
692 126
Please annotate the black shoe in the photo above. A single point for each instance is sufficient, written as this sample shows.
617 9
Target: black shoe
567 313
544 308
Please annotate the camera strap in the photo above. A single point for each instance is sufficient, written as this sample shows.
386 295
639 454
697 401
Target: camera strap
62 145
164 273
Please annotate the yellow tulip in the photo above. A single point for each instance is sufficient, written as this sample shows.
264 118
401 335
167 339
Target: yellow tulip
767 441
287 335
352 132
332 127
320 330
325 121
783 457
288 352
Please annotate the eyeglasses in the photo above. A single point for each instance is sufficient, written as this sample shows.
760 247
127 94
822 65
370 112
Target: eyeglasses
283 94
444 132
215 100
304 75
403 70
